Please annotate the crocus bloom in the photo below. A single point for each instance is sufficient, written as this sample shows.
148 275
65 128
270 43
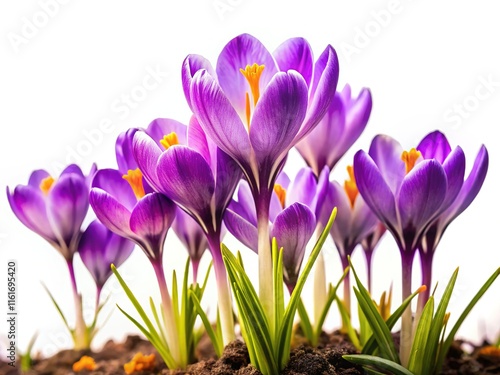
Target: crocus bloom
292 217
341 126
256 106
354 221
99 248
163 131
55 209
436 146
201 179
407 192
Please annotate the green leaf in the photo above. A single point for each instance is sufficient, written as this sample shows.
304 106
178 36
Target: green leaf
377 362
287 323
446 345
279 297
351 332
58 308
381 331
418 359
371 346
305 322
216 342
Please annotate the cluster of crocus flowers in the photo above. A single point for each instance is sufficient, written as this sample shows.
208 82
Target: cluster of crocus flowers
247 114
55 208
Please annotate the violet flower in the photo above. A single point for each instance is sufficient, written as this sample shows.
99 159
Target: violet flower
353 223
292 217
407 192
200 178
55 210
98 249
256 106
341 126
436 146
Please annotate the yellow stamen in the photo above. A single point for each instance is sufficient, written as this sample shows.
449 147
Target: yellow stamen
85 363
134 178
350 186
140 362
281 193
410 158
252 74
46 184
169 140
490 351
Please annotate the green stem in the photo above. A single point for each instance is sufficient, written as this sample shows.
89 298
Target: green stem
223 290
406 323
80 337
266 294
171 331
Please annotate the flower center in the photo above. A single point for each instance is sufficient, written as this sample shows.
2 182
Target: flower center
46 184
281 193
350 186
410 158
134 178
252 73
169 140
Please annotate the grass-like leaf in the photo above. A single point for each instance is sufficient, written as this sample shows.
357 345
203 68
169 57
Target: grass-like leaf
377 362
422 339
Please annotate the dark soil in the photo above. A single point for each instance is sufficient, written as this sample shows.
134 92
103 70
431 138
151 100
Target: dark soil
325 360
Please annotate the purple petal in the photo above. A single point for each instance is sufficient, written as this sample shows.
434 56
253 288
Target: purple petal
322 90
72 168
227 176
386 153
434 146
190 66
197 139
112 182
321 191
190 234
28 204
242 229
454 167
160 127
278 116
218 118
237 54
422 194
37 177
67 206
186 178
245 206
375 190
146 153
295 54
471 186
357 114
111 213
152 217
293 229
124 153
303 189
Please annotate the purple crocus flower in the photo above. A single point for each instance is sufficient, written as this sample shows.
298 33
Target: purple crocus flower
341 126
201 179
165 132
436 146
256 106
99 248
292 217
407 192
55 209
354 221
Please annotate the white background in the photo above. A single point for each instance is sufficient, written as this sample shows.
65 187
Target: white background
67 74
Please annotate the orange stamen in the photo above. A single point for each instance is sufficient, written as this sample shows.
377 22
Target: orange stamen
169 140
134 178
248 110
410 158
281 193
85 363
140 362
46 184
350 186
252 74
